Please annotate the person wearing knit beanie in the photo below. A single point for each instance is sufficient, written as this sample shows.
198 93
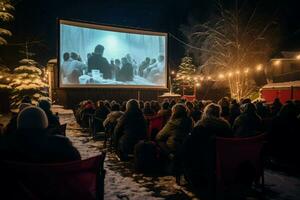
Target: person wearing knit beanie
32 118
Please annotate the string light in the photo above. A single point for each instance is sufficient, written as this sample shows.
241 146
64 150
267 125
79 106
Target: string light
209 78
1 77
202 78
246 71
8 79
259 67
221 76
172 72
198 84
229 74
277 63
298 57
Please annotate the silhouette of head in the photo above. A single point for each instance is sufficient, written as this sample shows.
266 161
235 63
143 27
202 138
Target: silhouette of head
32 118
99 49
66 56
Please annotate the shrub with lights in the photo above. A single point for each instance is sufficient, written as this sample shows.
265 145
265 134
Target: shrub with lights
28 80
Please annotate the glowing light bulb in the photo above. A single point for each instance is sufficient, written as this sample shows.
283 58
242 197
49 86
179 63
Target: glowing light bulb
202 78
221 76
1 76
209 78
8 79
237 72
277 63
229 74
172 72
198 84
259 67
298 57
246 70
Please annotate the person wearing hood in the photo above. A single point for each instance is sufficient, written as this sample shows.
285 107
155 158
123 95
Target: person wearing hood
199 149
171 137
248 123
31 143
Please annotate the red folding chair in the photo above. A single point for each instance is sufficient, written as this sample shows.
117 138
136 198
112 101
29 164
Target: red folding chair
76 180
232 152
154 126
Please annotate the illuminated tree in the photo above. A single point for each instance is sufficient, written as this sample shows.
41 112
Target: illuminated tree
185 71
29 80
5 16
233 44
5 78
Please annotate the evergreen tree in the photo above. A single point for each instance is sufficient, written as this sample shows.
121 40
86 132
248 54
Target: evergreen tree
186 70
5 78
28 81
5 16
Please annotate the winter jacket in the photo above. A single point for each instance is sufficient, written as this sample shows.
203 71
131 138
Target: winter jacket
216 126
247 125
130 128
174 133
34 145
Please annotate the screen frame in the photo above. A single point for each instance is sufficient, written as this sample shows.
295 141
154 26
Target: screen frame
115 28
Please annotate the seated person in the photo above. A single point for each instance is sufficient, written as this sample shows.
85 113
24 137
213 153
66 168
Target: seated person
199 149
97 62
101 113
147 111
11 127
31 143
112 118
165 112
170 138
53 120
248 123
126 72
130 129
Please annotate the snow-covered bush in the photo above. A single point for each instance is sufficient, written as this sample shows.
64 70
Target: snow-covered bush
29 81
5 78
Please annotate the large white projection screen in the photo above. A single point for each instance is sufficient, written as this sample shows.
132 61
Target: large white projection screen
103 56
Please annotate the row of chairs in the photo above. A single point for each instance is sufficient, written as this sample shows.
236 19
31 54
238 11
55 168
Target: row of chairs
73 180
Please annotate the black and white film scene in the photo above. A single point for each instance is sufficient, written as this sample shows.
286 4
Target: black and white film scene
91 56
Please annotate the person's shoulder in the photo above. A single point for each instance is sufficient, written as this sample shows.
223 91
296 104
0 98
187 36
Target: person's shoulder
58 140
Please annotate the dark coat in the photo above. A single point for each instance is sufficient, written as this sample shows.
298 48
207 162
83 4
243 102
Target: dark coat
130 128
100 63
37 146
217 126
247 125
199 153
125 73
174 133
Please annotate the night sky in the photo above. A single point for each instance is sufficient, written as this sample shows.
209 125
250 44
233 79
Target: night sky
36 21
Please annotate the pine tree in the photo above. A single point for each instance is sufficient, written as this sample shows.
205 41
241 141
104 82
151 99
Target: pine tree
186 69
5 16
5 78
28 81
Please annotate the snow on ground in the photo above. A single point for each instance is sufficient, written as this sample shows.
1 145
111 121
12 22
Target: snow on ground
121 182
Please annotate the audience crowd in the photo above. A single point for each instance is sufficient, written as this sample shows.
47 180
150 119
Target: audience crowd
186 140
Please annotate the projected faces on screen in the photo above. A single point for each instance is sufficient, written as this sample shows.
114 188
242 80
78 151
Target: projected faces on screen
90 56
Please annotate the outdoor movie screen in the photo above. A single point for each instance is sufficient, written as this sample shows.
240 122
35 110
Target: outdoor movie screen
104 56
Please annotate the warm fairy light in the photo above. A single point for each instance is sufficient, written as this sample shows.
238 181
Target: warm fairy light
259 67
188 78
8 79
195 78
221 76
237 72
298 57
172 72
198 84
246 71
277 62
1 76
202 78
209 78
229 74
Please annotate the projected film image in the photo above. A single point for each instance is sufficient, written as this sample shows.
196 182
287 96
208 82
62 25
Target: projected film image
97 57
